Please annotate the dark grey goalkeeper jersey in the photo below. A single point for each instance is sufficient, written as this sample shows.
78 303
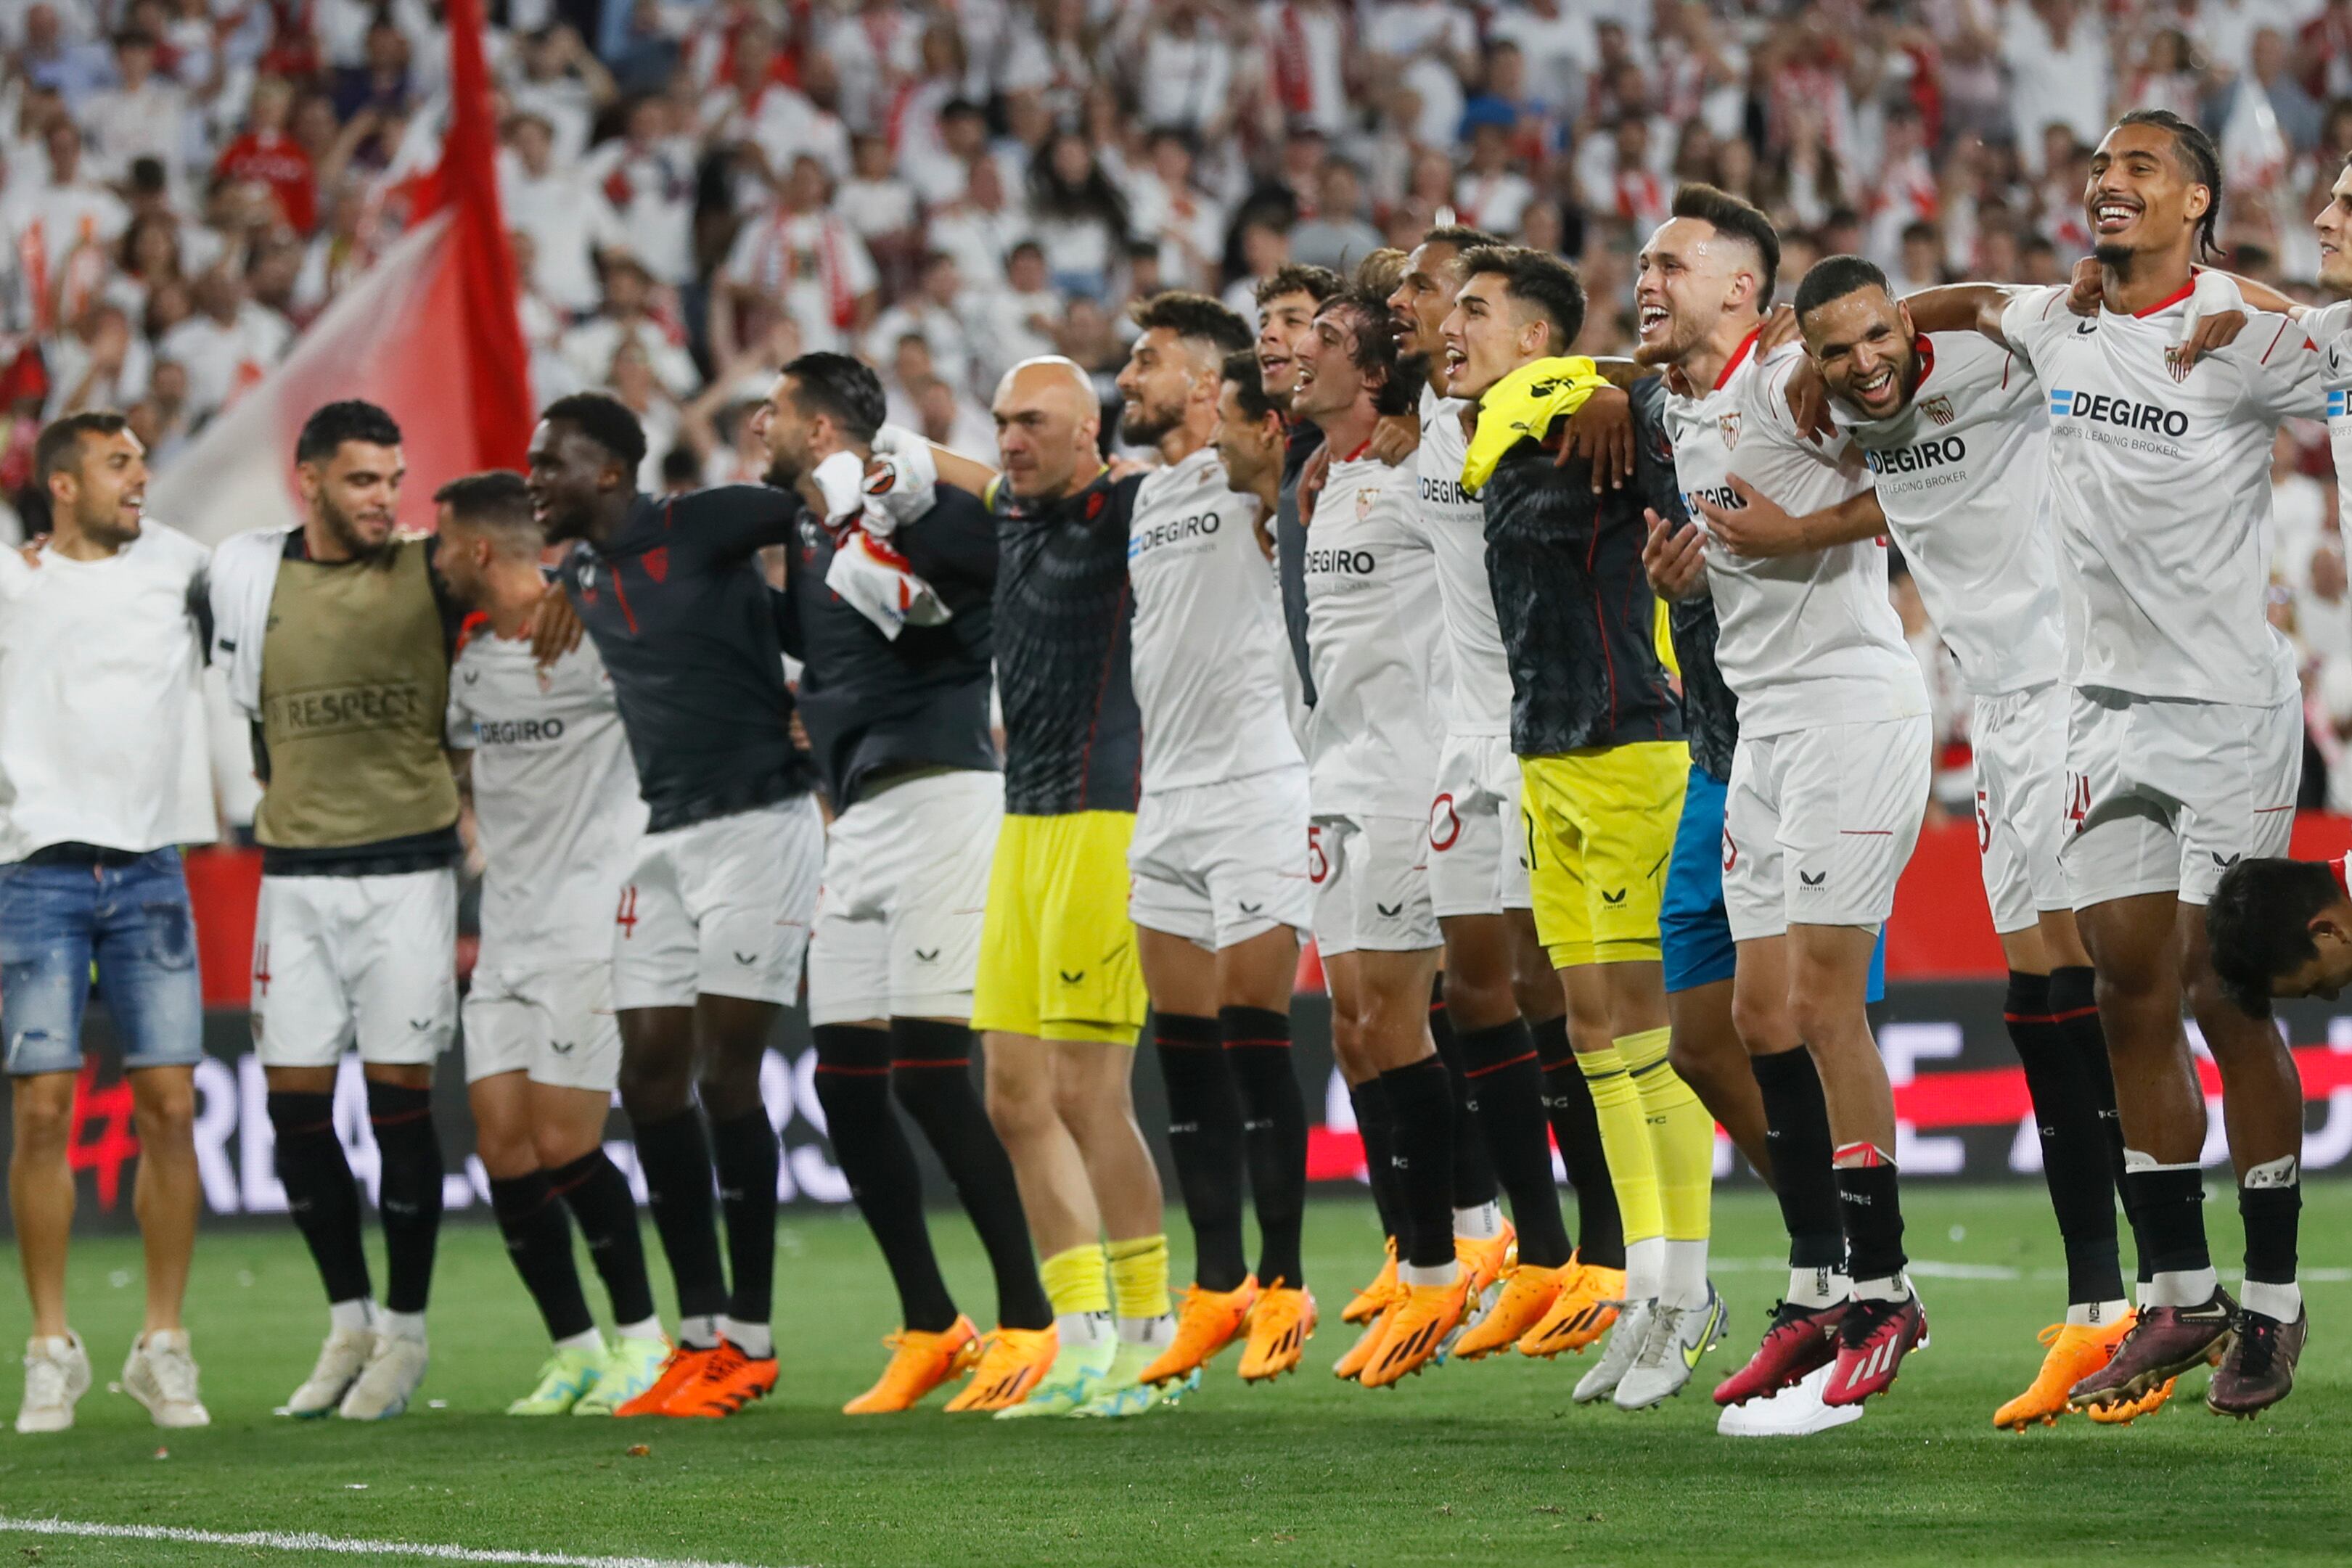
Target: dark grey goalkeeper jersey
1072 734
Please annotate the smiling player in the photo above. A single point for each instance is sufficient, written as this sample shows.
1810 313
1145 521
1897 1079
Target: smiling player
2185 740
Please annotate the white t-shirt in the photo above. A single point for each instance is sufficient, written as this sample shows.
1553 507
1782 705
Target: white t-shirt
101 737
555 799
1962 478
1208 637
1806 639
2161 491
1453 526
1372 621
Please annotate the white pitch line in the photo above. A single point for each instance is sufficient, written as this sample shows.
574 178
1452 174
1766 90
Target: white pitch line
306 1540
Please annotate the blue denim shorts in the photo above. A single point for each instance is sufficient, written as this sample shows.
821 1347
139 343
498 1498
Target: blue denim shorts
1694 931
132 922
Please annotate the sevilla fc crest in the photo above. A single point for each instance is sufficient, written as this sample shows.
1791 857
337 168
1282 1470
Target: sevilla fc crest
1939 409
1729 424
1364 500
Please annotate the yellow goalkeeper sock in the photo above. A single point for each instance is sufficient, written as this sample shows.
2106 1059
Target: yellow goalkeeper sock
1138 1276
1682 1136
1633 1170
1073 1281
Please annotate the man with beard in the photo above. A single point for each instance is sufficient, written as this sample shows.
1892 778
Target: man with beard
2185 739
1503 1004
1220 852
900 731
713 922
102 645
544 761
336 639
1954 429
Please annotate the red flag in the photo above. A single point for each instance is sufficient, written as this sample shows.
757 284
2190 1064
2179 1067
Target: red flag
430 332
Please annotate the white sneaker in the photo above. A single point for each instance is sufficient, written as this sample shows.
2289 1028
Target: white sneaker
340 1361
161 1375
390 1377
57 1373
1678 1336
1625 1340
1796 1411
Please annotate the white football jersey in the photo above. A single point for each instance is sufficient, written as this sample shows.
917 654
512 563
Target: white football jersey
2161 490
1209 642
555 799
1961 476
1806 639
1372 627
1455 523
2331 329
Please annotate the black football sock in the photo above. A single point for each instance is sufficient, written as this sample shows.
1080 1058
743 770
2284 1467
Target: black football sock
1273 1136
853 1085
2075 1162
2171 1219
1797 1128
1472 1175
408 1190
1421 1098
1376 1125
1205 1139
320 1191
746 1156
1874 1221
539 1239
676 1160
1506 1098
2074 1003
931 1072
1567 1102
2269 1202
597 1194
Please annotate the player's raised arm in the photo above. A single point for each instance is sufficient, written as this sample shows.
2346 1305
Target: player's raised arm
963 472
1961 308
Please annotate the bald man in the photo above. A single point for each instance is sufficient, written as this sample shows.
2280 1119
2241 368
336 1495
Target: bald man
1060 993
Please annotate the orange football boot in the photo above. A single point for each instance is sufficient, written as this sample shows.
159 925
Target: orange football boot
1486 1260
684 1366
1416 1328
919 1361
730 1381
1528 1292
1587 1304
1359 1355
1366 1304
1206 1324
2075 1351
1279 1327
1012 1361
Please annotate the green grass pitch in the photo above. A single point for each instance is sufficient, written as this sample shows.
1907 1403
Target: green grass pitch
1475 1463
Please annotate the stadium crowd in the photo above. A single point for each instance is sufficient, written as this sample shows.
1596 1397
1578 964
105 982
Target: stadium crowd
699 191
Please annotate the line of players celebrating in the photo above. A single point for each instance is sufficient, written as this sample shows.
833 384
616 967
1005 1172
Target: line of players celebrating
1375 649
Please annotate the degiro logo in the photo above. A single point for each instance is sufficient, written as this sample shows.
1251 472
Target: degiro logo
2122 413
